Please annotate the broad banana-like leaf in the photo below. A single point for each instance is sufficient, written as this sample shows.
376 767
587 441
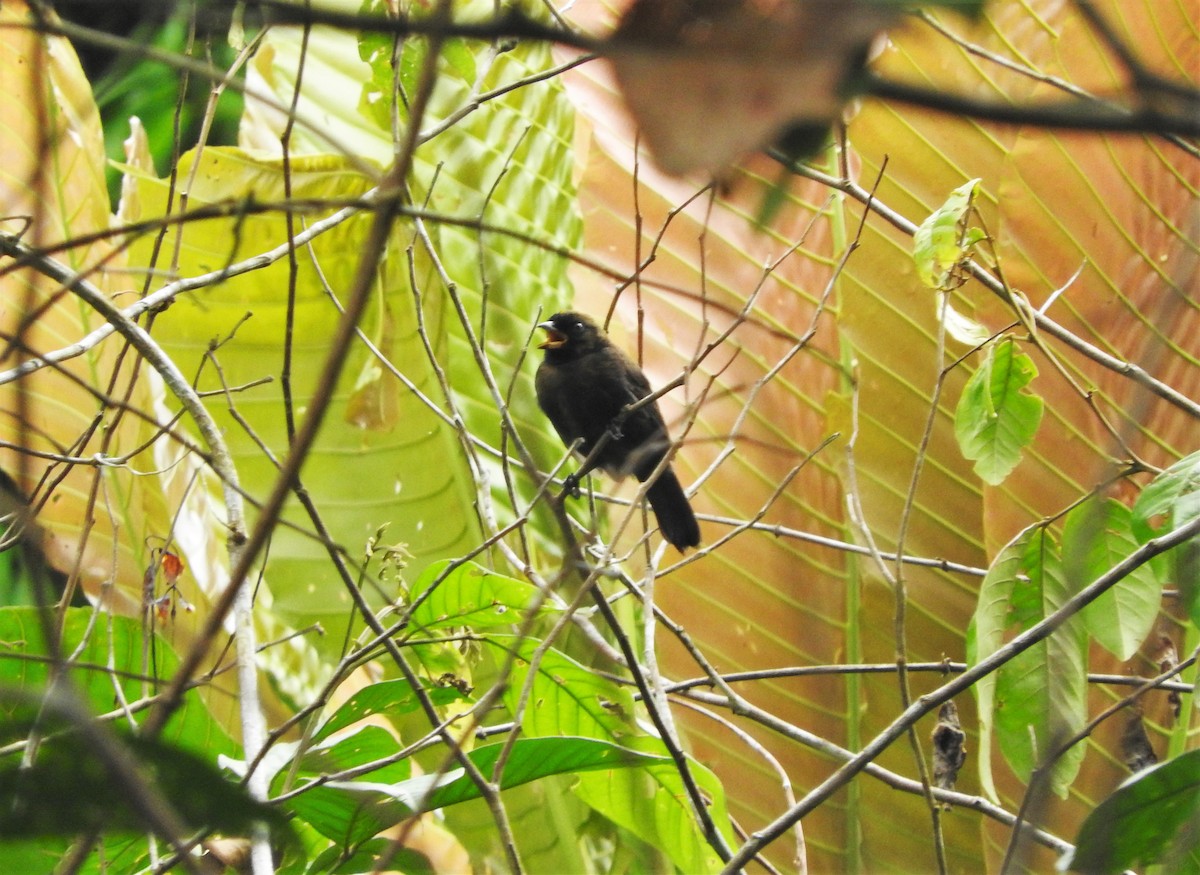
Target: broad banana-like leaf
77 433
1122 207
496 158
369 469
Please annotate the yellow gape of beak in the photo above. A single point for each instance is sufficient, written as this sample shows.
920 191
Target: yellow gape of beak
554 337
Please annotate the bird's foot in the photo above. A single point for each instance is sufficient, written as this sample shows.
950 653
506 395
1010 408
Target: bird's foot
570 486
614 432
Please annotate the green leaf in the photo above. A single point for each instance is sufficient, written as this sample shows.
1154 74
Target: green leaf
939 244
69 789
567 698
652 803
985 635
460 58
1096 536
105 654
1151 818
1169 501
333 812
469 595
367 745
534 758
996 419
114 852
387 698
350 811
364 859
1039 697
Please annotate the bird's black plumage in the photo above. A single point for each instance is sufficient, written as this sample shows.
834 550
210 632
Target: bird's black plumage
583 384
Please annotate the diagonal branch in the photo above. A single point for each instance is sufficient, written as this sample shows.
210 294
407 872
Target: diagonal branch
926 704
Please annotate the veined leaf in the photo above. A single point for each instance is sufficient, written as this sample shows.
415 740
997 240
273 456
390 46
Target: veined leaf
1039 697
506 162
1096 536
386 698
105 654
469 595
940 243
365 858
351 810
1171 499
330 811
652 803
985 636
567 698
122 852
371 463
1145 821
996 418
326 810
52 148
571 699
534 758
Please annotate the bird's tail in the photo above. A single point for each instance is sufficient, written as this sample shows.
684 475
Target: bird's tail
674 513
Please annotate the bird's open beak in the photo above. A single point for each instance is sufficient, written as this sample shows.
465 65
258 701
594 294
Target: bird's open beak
554 337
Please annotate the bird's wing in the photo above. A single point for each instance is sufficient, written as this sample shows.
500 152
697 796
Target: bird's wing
636 387
635 382
550 399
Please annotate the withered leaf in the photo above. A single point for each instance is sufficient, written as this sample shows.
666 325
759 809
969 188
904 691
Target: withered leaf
1136 750
949 748
710 80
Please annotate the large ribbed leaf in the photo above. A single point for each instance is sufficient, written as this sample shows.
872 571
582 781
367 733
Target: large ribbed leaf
370 466
383 457
1051 203
505 162
106 505
52 148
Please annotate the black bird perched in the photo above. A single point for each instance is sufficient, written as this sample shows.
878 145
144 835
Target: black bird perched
583 384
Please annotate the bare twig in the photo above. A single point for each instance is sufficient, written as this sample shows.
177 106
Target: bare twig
925 704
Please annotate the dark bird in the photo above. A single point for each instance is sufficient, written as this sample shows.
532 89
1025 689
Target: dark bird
583 384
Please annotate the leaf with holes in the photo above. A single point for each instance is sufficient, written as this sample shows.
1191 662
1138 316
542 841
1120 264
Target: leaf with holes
940 242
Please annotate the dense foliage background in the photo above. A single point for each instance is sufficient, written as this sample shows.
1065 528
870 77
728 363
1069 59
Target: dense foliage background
930 344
